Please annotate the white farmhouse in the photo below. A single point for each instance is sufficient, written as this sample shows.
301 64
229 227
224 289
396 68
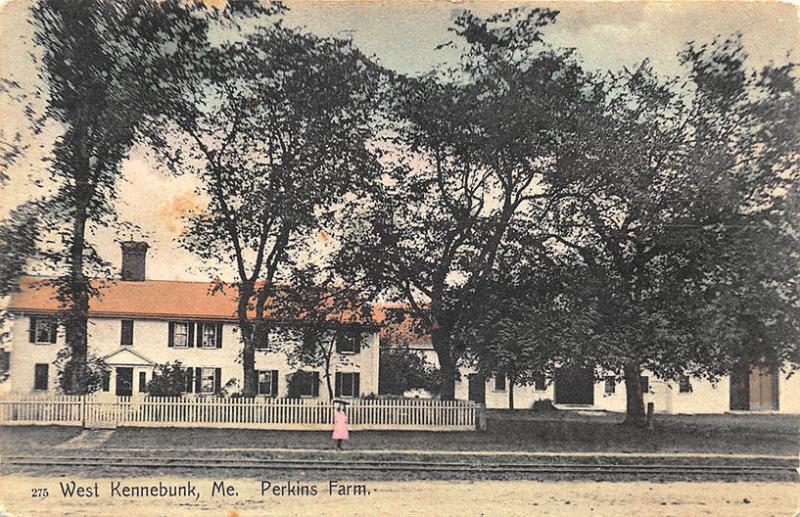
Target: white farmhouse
136 324
757 390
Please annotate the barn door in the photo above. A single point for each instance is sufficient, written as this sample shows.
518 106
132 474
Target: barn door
763 389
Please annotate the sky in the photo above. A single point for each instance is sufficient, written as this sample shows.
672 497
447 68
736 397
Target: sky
402 35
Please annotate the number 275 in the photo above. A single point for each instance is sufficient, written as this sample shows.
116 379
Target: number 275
39 492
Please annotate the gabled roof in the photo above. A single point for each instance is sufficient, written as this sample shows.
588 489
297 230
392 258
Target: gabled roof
157 299
148 299
128 357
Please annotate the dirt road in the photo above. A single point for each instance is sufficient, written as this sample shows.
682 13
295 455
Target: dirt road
242 497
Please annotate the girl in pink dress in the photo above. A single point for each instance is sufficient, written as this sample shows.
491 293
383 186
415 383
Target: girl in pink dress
340 432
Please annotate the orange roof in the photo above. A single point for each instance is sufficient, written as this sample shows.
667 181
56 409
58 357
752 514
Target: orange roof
147 299
399 333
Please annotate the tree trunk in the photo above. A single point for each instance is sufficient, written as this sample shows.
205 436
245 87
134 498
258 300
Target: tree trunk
447 373
510 394
251 334
75 296
447 365
634 414
328 372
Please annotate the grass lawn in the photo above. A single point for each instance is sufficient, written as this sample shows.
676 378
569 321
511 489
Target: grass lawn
16 438
519 431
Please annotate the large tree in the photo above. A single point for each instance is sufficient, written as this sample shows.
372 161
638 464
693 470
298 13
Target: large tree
277 128
99 60
476 149
686 227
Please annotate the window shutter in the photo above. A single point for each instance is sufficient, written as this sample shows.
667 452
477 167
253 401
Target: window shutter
219 335
339 336
171 338
189 373
190 338
315 384
338 387
32 329
53 330
198 380
356 385
357 337
217 380
274 383
126 333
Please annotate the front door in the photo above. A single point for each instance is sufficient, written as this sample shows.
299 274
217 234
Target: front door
124 382
574 386
477 388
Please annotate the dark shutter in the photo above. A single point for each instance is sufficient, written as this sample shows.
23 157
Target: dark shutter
171 338
219 335
217 380
189 373
356 385
40 377
126 333
357 337
142 382
32 329
338 388
198 380
190 337
315 384
53 329
274 377
106 381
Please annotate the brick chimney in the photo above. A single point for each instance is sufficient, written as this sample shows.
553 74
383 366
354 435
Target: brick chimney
134 260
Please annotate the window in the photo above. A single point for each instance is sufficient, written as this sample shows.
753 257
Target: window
210 335
685 384
645 382
203 380
500 383
540 382
303 384
268 382
347 384
611 385
126 333
40 380
348 342
181 334
42 330
207 380
142 382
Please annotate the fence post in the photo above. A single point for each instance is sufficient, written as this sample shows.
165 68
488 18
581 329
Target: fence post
482 417
650 410
83 410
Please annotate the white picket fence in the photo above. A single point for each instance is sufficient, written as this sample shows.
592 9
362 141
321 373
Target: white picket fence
235 413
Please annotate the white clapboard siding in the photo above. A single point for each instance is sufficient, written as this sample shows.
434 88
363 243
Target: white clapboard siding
102 410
